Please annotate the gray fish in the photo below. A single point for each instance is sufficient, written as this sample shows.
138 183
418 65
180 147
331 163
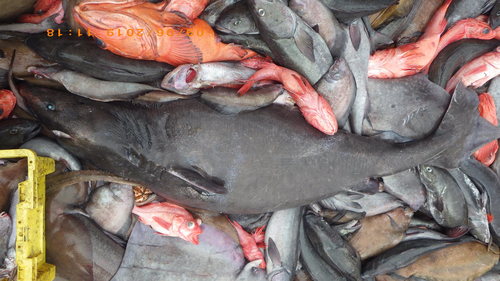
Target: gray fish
444 197
485 178
5 231
149 141
417 233
332 247
283 230
404 109
90 87
150 256
495 15
293 43
338 87
252 272
110 206
404 254
48 148
416 28
476 206
237 20
463 9
253 42
215 9
347 10
358 63
250 222
371 205
322 20
314 263
406 186
15 132
455 55
377 39
188 79
79 55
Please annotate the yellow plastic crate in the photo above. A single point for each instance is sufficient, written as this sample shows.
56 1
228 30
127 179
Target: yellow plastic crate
30 224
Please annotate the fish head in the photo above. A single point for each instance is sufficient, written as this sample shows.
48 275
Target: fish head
190 230
479 29
274 18
120 32
21 129
182 79
428 174
236 23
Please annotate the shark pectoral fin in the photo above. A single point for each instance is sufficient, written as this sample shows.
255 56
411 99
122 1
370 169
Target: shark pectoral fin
198 180
305 43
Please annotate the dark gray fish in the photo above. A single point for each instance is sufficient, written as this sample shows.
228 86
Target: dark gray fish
395 28
322 20
463 9
148 141
5 231
215 9
237 20
110 206
406 186
227 100
283 230
252 272
48 148
477 201
293 43
80 55
358 63
485 178
495 15
404 109
253 42
377 39
417 26
314 263
14 132
150 256
417 233
347 10
404 254
332 247
250 222
445 198
338 87
455 55
370 204
12 9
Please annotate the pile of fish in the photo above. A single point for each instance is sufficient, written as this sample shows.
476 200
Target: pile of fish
256 139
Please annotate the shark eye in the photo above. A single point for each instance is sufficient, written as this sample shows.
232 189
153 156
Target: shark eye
190 224
51 107
13 131
261 12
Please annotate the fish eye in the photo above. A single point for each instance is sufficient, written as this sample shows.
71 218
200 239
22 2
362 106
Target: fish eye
261 12
486 31
51 107
190 224
13 131
237 22
38 76
428 169
100 43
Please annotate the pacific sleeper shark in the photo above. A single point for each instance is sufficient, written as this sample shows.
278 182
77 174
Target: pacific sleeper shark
252 162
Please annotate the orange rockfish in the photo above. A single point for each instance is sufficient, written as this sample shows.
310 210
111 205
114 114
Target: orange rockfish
250 243
7 103
487 153
169 220
411 58
44 9
142 30
477 72
315 109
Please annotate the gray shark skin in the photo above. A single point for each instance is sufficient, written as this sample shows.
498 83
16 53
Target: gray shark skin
253 162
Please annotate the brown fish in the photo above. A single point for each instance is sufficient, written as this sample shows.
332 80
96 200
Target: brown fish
10 176
390 229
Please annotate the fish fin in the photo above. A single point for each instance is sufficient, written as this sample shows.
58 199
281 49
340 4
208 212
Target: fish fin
315 28
439 203
355 35
162 223
457 126
175 18
258 235
197 180
184 48
273 252
305 43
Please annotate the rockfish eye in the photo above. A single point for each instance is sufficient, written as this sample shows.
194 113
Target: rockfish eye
486 31
190 225
261 12
428 169
51 107
13 131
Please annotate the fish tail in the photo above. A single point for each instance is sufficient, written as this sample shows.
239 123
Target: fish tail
266 73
